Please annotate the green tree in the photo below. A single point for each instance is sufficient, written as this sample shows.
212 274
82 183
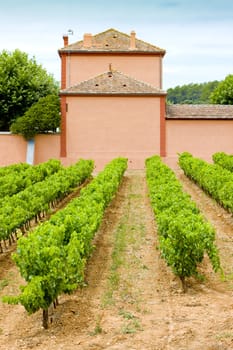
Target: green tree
223 93
22 83
40 118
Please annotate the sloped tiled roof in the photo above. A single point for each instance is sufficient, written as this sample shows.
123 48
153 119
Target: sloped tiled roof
185 111
110 83
112 41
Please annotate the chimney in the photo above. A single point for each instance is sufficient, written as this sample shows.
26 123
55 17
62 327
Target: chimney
65 40
132 40
87 40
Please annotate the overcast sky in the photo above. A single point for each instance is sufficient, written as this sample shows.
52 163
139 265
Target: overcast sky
196 34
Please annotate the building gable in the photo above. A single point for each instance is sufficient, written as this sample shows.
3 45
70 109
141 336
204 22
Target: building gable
111 83
109 41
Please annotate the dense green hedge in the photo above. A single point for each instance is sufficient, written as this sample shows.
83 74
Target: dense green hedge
184 234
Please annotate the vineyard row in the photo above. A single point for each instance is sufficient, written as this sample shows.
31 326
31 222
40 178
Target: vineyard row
52 258
212 178
184 234
16 178
17 211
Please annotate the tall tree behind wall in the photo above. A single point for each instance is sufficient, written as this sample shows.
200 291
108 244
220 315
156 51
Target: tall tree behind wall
223 94
22 83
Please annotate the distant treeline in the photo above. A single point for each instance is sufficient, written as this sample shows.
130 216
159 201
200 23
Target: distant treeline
216 92
192 93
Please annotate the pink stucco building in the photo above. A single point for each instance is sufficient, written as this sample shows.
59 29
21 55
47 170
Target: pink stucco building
113 104
112 99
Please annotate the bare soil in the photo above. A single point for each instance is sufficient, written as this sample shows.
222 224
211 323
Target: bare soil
134 302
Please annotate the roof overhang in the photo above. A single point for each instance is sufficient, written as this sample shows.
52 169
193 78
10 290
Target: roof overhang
111 94
93 52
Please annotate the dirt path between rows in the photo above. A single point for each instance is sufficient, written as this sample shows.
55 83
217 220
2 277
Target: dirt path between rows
131 299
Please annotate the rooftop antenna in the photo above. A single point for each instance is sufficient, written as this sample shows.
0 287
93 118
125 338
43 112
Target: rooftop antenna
65 37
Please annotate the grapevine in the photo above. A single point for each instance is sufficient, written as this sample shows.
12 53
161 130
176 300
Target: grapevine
184 234
224 160
52 258
17 211
215 180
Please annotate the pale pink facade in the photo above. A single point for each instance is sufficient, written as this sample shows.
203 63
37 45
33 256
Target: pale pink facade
112 99
103 128
142 67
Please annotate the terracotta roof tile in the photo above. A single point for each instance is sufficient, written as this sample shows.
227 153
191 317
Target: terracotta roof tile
185 111
113 82
112 40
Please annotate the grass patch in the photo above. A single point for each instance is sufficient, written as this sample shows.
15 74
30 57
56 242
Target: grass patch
132 327
3 283
224 335
98 329
128 238
127 315
117 261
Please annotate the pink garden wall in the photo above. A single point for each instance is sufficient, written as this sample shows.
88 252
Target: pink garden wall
93 134
13 148
202 138
46 147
